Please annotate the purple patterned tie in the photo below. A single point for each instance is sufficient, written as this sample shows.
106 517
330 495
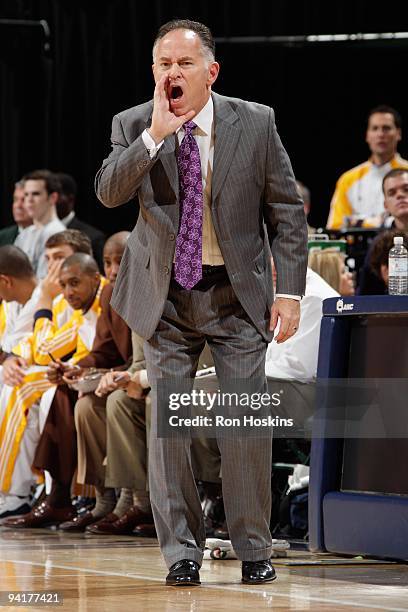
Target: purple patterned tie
188 258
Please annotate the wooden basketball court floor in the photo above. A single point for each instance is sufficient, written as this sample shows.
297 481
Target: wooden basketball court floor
96 573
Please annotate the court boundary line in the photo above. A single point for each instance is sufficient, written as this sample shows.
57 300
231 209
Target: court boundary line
237 588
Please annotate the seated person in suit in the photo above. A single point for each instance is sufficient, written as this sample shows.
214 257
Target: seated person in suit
20 215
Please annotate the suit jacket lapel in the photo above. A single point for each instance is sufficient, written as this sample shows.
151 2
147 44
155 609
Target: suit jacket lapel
227 134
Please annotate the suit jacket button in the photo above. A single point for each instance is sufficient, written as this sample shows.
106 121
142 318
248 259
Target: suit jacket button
166 270
172 236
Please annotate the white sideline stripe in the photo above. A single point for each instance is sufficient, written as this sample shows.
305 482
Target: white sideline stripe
240 589
31 576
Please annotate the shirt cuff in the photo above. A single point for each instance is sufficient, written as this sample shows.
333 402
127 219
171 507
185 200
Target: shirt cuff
43 313
150 144
143 379
291 297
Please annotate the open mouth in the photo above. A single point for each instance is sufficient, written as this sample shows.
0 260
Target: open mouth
176 93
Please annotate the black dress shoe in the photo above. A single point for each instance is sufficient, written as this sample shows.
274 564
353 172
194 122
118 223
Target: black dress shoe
256 572
183 573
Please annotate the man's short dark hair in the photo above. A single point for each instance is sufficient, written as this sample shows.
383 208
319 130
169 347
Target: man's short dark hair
86 263
14 262
381 247
392 173
383 108
77 240
68 184
52 184
186 24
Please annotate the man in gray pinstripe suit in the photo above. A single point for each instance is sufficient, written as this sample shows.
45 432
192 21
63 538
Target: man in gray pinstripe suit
246 202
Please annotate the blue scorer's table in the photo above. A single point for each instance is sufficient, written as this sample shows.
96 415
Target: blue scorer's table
358 492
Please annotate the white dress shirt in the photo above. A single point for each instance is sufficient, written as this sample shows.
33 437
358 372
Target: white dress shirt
296 358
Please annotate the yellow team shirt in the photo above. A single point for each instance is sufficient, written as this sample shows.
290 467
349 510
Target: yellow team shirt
359 193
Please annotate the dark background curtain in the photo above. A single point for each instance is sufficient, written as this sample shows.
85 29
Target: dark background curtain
56 104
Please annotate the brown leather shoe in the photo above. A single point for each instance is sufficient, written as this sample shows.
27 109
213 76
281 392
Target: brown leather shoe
109 518
145 530
79 522
42 515
125 525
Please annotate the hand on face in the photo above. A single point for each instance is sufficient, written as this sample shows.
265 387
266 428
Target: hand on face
164 121
50 286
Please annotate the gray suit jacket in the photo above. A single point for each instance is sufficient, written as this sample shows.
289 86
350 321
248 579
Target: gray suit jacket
255 205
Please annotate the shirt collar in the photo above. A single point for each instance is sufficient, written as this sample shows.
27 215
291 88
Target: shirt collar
204 118
393 162
66 220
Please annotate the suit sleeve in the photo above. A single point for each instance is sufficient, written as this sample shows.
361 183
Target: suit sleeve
121 174
285 218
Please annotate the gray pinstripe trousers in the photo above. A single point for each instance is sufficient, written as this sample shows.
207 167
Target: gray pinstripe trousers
209 312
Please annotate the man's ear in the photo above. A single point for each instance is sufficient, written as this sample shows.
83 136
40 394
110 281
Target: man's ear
53 197
7 280
213 71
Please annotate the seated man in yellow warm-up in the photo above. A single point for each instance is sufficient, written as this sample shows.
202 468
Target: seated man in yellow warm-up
19 405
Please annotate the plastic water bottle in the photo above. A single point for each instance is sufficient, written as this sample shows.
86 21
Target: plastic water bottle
398 268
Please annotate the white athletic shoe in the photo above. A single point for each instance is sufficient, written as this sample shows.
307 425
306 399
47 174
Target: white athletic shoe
12 505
